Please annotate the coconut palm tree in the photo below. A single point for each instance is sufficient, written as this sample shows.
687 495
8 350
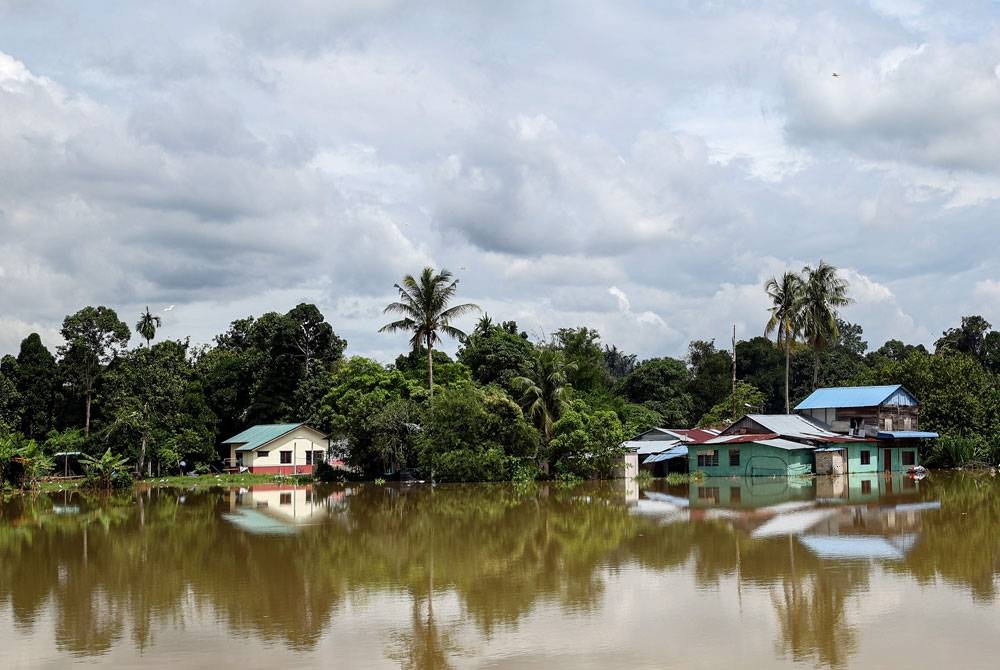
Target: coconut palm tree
423 303
822 293
786 300
545 391
146 326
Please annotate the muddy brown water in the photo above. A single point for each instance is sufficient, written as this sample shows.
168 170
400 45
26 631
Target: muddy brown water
868 572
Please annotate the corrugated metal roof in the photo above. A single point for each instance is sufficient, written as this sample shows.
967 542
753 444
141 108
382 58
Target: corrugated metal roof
787 445
676 452
253 437
848 396
791 425
903 434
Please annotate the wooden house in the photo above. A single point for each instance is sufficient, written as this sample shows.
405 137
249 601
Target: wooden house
888 414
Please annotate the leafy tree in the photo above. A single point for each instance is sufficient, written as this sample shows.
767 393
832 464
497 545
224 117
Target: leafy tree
146 326
587 443
545 390
37 380
313 338
494 355
786 318
746 400
154 402
447 371
969 338
581 347
361 389
710 375
396 428
474 434
759 363
424 305
660 384
618 363
822 292
10 403
94 337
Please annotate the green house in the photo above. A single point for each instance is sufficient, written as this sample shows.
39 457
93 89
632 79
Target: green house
751 456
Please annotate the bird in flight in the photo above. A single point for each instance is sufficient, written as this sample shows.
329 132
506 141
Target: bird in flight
835 74
167 309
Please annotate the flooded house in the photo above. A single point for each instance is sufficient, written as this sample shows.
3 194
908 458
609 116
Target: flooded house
761 445
285 449
661 451
889 415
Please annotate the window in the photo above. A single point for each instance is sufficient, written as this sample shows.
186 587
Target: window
286 457
285 499
735 495
708 459
709 493
262 454
866 486
909 457
314 457
309 458
734 458
866 457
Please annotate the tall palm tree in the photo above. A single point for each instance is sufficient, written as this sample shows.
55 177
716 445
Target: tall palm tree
823 292
786 301
423 303
146 326
545 392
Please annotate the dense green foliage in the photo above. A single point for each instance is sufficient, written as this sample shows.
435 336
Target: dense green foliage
504 407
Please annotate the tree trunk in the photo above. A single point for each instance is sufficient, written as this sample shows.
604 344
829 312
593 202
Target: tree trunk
815 368
788 356
86 422
430 365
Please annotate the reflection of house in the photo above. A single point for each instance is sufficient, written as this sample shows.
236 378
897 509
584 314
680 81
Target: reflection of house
286 448
886 413
665 450
771 445
278 509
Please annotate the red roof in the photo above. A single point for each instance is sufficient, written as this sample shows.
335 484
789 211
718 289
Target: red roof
695 434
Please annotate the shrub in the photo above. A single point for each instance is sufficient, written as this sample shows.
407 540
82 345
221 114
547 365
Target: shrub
106 472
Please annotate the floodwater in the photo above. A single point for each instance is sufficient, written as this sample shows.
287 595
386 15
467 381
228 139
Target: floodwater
867 572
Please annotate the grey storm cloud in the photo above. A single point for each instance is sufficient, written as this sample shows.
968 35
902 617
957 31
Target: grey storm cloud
634 167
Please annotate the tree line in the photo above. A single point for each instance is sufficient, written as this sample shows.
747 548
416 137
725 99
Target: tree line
504 406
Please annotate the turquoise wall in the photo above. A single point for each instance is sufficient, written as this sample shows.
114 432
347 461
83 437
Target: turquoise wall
756 460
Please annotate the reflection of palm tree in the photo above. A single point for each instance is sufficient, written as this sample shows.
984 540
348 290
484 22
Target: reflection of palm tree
812 615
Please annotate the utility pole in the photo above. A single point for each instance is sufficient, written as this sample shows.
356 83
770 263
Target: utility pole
735 403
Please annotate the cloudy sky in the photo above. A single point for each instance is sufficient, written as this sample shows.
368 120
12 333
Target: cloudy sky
638 167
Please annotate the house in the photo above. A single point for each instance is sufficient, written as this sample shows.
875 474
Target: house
778 445
888 414
664 450
284 448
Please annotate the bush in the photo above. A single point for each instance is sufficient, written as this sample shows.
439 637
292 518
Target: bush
466 465
106 472
326 473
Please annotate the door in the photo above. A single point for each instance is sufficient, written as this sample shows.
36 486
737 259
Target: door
887 460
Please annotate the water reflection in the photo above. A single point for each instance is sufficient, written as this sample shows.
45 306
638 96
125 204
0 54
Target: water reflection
439 576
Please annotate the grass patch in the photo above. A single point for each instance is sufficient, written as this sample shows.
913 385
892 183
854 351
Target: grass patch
684 478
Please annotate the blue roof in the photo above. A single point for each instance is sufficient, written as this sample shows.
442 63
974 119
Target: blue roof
848 396
904 434
675 452
251 438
